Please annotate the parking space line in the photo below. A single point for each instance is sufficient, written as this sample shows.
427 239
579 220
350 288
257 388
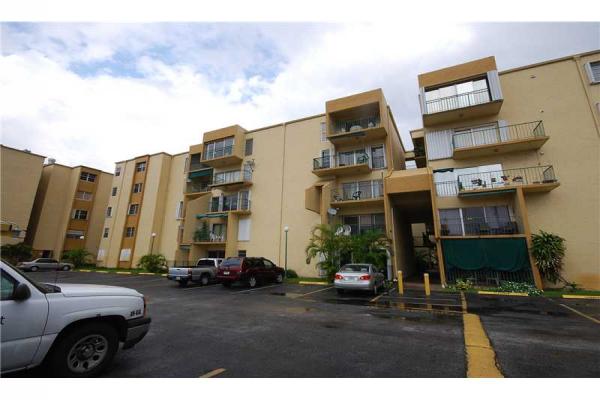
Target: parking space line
213 373
251 290
199 287
481 358
581 314
316 291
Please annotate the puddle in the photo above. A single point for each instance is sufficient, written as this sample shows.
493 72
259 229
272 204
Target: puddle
284 294
496 310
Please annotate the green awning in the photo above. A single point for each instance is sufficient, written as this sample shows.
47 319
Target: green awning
498 254
211 215
199 173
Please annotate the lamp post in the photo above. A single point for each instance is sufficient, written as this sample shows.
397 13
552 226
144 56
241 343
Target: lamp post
286 229
152 243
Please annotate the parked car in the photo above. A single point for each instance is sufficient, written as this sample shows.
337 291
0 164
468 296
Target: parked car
248 270
204 272
45 264
359 277
73 329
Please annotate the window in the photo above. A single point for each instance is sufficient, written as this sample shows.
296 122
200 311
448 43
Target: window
243 229
267 263
378 157
105 234
141 166
325 158
593 70
73 234
109 212
364 223
125 255
86 176
101 254
458 95
117 171
323 132
241 253
195 162
130 231
137 188
249 146
220 254
133 209
8 286
114 191
476 221
80 195
227 176
218 148
80 214
360 190
179 210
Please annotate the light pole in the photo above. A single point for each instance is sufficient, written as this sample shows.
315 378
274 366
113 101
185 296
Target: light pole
152 243
286 229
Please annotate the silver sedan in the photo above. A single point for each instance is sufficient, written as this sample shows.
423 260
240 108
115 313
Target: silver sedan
45 264
359 277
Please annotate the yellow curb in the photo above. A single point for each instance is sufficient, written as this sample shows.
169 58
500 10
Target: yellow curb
503 293
481 359
102 272
85 270
580 296
123 273
213 373
313 283
163 274
145 273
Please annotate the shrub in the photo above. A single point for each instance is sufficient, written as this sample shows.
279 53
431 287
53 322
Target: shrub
520 287
16 253
153 262
291 274
548 250
462 284
79 257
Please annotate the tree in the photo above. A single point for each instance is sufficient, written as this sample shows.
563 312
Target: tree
153 262
370 247
328 247
16 253
548 250
202 234
79 257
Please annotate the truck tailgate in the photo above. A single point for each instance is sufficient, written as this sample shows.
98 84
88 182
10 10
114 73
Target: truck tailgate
178 272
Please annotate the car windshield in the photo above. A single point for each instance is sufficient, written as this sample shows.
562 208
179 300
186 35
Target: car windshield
40 286
355 268
206 263
231 262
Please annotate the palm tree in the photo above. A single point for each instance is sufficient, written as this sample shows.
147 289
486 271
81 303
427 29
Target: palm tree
327 246
370 247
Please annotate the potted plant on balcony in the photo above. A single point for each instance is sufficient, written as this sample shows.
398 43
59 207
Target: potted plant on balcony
202 234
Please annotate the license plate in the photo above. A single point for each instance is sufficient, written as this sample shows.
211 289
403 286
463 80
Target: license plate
225 272
178 278
351 278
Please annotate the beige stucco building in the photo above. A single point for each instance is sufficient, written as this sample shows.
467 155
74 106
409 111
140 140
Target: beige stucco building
68 212
20 173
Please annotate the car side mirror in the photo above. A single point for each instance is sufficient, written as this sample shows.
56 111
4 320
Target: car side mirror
21 292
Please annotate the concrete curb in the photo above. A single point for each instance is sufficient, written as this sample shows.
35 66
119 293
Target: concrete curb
580 296
503 293
313 283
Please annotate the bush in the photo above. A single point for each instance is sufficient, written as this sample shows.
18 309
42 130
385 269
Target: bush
79 257
153 262
462 284
291 274
548 250
16 253
520 287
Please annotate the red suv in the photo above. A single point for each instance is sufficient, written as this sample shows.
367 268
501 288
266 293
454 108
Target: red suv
248 270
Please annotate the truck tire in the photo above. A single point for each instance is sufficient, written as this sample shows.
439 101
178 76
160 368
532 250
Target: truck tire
182 283
252 281
66 268
84 351
204 279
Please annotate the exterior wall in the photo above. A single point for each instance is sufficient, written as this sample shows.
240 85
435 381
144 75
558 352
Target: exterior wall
168 240
20 174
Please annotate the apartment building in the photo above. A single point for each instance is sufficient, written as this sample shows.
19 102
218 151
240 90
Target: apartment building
144 211
20 173
68 212
500 156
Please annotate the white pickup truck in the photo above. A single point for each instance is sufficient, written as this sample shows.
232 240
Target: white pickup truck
73 329
204 272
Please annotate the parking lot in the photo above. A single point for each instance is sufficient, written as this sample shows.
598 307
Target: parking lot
292 330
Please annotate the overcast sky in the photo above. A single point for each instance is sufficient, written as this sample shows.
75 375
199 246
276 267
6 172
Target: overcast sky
94 94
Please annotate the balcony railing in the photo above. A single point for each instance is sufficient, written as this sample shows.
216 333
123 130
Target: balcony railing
217 153
498 134
197 187
340 160
238 176
457 101
478 226
355 125
355 229
501 179
358 191
207 236
237 203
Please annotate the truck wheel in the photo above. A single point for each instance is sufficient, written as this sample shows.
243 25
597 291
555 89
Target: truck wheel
34 268
182 283
252 281
204 279
84 352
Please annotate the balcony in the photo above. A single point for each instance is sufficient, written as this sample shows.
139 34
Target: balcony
206 237
195 188
232 180
238 203
478 226
474 104
221 156
492 140
531 180
356 130
354 193
341 164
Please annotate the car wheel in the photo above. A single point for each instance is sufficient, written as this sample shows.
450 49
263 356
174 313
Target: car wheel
85 351
252 281
340 291
204 279
182 283
34 268
279 278
66 268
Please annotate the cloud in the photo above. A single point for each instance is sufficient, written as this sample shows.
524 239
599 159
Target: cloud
94 94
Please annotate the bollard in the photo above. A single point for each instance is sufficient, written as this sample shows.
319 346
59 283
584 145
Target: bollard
400 283
427 289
